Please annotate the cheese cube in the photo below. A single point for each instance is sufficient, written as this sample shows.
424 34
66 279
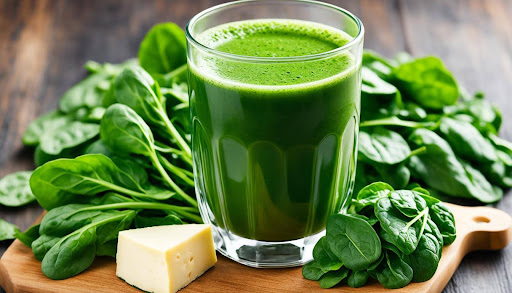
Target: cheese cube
164 258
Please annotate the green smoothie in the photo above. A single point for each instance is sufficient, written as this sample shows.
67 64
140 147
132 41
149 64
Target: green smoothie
274 143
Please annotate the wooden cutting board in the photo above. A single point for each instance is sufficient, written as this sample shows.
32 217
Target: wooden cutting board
478 228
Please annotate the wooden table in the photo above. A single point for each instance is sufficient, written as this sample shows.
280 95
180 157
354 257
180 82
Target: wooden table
43 45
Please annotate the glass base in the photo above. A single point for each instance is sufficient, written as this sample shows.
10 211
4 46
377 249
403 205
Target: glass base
263 254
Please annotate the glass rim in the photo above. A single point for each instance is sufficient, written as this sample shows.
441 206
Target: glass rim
356 40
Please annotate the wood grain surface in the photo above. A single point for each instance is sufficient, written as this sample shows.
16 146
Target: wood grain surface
43 45
477 228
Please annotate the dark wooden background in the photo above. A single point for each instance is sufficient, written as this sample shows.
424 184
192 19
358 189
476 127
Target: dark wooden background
43 45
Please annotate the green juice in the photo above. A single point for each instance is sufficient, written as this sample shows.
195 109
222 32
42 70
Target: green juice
274 144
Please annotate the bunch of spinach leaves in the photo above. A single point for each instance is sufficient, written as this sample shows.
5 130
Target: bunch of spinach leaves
114 156
393 236
418 125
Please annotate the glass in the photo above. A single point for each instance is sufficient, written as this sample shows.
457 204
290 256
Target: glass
272 162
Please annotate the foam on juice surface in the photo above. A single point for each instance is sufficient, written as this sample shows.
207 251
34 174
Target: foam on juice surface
271 38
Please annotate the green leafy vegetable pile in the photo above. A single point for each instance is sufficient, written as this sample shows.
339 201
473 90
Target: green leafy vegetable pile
116 155
419 126
392 236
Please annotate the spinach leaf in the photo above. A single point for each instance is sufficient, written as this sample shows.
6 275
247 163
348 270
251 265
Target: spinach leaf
378 64
357 279
333 278
90 92
372 269
484 115
142 221
180 116
59 182
353 241
501 144
99 147
176 76
370 194
373 84
425 259
47 122
70 255
134 169
110 68
108 248
178 91
372 221
163 49
42 245
393 272
109 231
480 188
67 136
396 175
87 93
75 252
94 115
29 236
500 171
442 217
41 158
7 230
135 88
15 189
412 111
426 81
466 141
441 170
312 271
325 257
388 246
125 132
407 202
374 191
403 232
431 228
108 198
383 146
63 220
378 98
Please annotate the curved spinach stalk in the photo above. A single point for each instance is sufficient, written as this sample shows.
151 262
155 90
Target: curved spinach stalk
135 88
176 76
67 218
395 121
423 214
124 131
161 148
418 151
186 212
185 175
178 91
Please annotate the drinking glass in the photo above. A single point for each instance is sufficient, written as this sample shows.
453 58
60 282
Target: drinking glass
273 162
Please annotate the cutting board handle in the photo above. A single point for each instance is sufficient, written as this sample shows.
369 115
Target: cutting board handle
482 228
478 228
